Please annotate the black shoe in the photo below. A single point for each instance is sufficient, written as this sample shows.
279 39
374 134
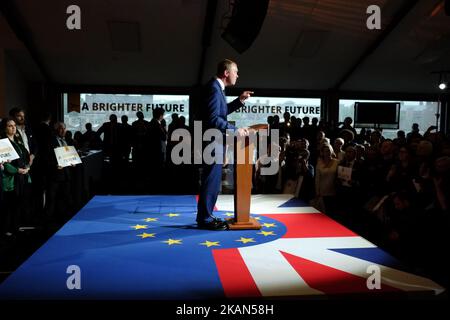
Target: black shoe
213 225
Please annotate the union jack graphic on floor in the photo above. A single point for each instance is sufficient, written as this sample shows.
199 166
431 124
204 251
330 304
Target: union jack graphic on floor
315 256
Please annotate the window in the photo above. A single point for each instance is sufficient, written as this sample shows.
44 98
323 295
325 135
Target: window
257 109
96 108
421 112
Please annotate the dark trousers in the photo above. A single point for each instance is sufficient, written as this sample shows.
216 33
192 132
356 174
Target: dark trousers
210 185
10 213
209 191
17 209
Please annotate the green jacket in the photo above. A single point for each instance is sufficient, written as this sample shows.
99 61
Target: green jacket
12 168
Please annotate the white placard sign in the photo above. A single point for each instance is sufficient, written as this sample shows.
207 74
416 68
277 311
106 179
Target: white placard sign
67 156
7 151
344 173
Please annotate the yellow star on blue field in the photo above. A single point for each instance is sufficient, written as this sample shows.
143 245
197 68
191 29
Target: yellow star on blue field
173 241
146 235
266 233
150 219
139 226
229 214
170 215
210 243
245 240
268 225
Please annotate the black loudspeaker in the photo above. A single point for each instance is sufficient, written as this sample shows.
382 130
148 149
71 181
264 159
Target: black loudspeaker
246 20
447 7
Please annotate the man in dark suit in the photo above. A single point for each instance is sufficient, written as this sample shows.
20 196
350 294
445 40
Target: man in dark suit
24 131
110 131
41 166
59 200
157 136
214 115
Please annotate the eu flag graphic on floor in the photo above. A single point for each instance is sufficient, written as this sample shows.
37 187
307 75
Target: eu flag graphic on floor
148 247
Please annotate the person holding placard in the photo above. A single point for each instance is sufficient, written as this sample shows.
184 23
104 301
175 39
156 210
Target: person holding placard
1 184
15 180
59 194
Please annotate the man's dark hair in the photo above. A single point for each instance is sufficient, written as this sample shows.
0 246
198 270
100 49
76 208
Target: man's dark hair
14 111
140 115
157 112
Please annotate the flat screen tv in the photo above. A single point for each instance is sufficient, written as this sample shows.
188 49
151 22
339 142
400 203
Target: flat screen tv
383 115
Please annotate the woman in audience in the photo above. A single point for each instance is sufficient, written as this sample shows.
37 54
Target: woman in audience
337 148
14 180
315 146
325 179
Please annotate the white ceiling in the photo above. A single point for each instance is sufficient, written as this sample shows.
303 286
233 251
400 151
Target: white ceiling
303 44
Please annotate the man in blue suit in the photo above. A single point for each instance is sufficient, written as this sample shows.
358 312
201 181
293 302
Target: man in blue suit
214 115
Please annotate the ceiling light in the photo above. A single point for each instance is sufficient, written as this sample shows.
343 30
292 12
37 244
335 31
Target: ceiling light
443 79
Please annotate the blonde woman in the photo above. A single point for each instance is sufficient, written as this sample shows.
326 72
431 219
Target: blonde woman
337 148
325 180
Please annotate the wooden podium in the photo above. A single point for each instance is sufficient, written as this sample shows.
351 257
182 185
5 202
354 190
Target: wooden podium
243 185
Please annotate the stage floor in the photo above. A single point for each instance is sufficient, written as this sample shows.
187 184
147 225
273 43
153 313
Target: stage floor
148 247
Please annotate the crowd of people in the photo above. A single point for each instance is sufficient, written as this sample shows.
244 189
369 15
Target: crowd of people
35 192
393 192
34 189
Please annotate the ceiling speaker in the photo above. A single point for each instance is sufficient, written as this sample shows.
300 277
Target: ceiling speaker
245 23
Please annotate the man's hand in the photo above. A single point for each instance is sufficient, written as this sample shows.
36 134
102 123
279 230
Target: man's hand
23 170
245 95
